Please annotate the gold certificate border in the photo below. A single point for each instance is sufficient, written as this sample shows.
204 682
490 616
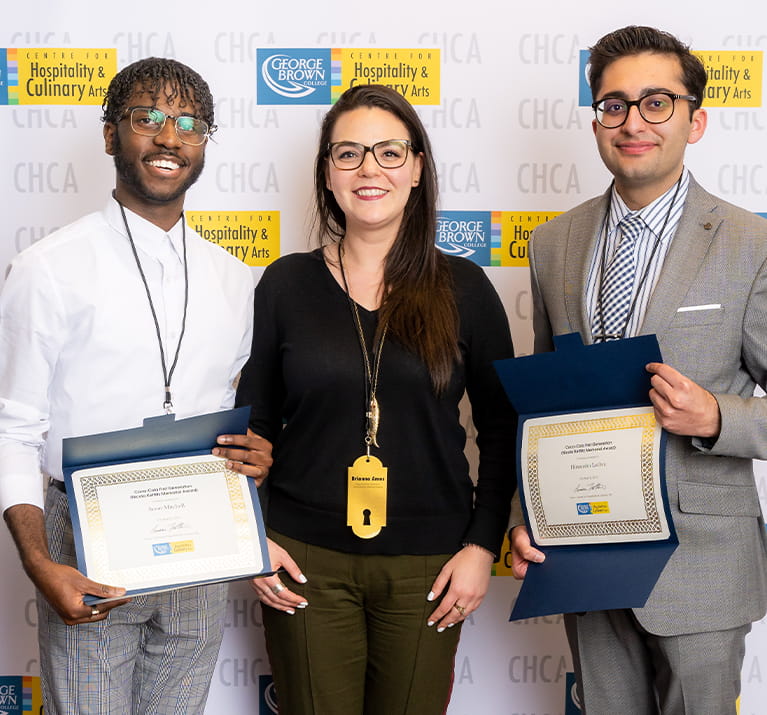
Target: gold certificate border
243 560
651 525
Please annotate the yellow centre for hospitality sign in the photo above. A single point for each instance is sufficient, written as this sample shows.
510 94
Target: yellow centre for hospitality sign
251 236
516 227
734 78
414 73
59 75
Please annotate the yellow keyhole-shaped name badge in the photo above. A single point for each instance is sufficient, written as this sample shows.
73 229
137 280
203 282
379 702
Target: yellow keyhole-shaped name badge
366 497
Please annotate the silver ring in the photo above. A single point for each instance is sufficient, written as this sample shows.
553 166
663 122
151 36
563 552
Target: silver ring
95 612
277 589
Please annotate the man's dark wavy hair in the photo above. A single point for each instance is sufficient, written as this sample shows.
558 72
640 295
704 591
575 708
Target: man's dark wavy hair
637 39
156 75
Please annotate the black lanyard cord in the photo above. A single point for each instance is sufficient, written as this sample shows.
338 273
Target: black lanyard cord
166 374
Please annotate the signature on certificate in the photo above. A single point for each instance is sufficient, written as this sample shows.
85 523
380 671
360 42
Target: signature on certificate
165 526
590 487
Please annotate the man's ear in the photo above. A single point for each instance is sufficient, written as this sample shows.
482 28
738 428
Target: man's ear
109 137
698 123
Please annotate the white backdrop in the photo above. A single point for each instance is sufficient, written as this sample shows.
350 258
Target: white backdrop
508 135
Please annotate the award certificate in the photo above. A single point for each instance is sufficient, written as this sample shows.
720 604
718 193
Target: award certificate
166 523
594 477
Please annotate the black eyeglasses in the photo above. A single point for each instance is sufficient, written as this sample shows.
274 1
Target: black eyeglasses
654 108
390 153
149 122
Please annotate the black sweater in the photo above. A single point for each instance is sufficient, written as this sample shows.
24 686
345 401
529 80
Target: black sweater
306 371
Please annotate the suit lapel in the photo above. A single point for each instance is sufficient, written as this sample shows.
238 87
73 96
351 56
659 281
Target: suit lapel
582 239
691 241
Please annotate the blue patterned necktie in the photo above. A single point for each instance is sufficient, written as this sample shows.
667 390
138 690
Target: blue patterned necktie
612 312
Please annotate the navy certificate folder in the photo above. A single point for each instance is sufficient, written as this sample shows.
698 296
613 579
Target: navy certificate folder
159 438
573 379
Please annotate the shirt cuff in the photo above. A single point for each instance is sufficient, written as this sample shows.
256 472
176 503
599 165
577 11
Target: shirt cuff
21 481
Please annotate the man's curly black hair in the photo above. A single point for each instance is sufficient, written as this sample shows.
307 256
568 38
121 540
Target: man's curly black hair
156 75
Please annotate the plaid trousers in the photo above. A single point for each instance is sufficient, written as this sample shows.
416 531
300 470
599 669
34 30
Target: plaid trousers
154 655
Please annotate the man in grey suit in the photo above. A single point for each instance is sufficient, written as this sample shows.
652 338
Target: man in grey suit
692 272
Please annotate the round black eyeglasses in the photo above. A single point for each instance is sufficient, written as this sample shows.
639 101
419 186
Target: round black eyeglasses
654 108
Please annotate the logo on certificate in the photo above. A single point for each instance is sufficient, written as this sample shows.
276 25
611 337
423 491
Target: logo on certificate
173 547
594 507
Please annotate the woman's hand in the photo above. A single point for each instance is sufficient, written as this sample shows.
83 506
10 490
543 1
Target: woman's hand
468 576
271 590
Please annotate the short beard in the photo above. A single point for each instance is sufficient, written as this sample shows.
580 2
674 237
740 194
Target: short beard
129 176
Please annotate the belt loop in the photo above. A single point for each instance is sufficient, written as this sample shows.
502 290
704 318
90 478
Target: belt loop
58 484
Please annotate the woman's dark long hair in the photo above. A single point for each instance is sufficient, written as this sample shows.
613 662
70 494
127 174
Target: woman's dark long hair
418 304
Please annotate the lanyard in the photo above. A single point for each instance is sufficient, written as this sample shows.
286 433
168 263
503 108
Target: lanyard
166 374
372 412
601 337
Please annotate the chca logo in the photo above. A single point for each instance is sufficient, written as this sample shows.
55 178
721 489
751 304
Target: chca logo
293 77
161 549
584 508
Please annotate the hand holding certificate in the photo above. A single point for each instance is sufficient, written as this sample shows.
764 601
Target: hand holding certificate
163 522
591 475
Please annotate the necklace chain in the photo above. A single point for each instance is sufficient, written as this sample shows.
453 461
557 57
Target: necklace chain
372 411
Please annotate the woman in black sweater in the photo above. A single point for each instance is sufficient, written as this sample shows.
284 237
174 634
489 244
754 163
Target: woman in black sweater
362 350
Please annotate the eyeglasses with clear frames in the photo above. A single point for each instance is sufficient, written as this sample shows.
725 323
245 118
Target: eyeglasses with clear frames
149 122
654 108
389 154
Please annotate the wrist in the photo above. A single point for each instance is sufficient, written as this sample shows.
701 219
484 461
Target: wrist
471 545
713 424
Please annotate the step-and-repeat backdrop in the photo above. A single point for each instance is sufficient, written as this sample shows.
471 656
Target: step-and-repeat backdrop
500 87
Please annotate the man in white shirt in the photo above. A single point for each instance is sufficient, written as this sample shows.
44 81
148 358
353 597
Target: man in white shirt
122 315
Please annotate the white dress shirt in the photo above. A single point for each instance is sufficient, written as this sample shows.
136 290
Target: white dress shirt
78 346
661 218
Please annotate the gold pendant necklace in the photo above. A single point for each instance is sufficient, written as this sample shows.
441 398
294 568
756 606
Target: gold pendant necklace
373 409
367 478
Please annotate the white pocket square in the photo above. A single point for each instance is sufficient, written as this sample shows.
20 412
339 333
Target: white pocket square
690 308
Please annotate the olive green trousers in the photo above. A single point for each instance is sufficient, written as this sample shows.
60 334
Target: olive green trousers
362 646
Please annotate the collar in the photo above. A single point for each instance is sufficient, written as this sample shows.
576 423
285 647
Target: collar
148 237
655 213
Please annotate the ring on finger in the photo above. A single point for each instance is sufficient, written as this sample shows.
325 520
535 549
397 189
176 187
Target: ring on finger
460 609
277 589
95 612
